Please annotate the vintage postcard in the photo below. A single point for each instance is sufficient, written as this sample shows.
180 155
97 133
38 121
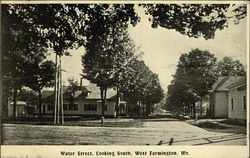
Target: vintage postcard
125 79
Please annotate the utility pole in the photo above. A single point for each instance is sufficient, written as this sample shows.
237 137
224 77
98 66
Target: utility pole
58 106
55 92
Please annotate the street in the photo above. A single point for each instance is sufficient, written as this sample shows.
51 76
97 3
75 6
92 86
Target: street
119 132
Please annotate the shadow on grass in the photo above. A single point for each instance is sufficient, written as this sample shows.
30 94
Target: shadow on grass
210 125
219 127
230 122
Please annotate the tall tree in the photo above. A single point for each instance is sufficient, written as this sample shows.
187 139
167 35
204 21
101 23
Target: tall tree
23 47
140 85
154 93
196 74
55 26
106 45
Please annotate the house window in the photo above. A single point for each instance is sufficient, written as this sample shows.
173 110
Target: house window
73 106
90 107
65 107
49 107
244 103
232 103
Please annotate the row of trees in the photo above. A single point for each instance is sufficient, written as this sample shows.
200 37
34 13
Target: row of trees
29 30
196 72
112 60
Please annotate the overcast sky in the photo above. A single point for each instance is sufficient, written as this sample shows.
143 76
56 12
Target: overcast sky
162 48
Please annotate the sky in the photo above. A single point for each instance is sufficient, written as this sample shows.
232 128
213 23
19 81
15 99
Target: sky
162 48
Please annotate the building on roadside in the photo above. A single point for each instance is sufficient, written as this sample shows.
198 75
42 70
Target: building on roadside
86 102
218 101
21 108
205 107
237 99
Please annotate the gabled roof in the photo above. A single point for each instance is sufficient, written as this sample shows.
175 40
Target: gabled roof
47 93
241 82
94 92
224 81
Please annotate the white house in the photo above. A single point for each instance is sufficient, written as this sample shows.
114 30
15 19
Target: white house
218 102
237 99
87 102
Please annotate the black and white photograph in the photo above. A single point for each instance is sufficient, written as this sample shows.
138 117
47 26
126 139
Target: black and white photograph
124 74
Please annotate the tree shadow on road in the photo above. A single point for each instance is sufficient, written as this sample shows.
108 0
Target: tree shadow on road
204 140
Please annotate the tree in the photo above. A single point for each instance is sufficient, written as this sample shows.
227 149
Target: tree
125 50
41 75
229 67
22 48
195 20
195 75
37 26
140 85
154 93
180 98
106 45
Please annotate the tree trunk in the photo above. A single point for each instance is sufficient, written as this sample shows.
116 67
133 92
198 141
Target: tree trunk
40 102
102 101
14 102
201 108
184 110
143 109
103 98
5 102
148 108
189 110
117 101
194 110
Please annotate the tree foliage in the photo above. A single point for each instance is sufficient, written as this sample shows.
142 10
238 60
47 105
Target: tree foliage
193 79
108 45
195 20
229 67
40 75
140 85
29 30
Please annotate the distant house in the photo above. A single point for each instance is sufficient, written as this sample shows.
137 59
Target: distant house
218 106
205 107
20 108
237 101
86 102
